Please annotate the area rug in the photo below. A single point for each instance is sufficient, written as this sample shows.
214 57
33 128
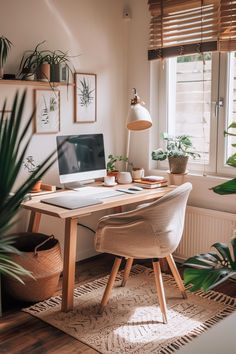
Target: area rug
132 321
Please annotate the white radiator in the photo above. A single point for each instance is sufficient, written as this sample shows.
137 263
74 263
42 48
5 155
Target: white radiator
203 227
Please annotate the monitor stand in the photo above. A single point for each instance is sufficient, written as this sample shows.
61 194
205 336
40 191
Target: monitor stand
77 185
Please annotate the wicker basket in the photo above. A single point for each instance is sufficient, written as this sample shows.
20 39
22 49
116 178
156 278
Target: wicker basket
41 255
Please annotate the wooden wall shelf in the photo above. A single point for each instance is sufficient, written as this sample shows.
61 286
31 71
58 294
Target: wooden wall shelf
33 83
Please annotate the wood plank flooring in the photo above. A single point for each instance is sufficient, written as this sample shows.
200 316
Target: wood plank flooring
20 333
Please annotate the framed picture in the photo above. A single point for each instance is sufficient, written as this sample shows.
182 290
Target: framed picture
47 111
85 98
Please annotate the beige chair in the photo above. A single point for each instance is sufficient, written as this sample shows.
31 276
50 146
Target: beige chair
151 231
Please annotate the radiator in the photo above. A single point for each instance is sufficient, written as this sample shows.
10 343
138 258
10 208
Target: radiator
203 227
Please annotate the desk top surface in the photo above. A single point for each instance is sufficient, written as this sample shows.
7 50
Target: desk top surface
142 196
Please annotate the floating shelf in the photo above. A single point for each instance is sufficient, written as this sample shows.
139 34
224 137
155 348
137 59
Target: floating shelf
33 83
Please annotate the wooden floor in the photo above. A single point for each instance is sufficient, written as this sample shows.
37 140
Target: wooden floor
23 334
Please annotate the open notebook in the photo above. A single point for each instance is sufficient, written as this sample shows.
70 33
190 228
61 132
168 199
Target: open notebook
72 201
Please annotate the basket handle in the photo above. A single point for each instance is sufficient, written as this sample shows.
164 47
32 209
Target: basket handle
42 243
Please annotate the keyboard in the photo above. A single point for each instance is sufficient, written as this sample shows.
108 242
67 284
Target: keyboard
98 192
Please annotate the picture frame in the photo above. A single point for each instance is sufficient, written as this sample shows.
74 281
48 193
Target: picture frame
85 98
47 111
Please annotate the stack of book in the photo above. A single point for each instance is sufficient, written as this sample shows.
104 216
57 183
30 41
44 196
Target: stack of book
151 182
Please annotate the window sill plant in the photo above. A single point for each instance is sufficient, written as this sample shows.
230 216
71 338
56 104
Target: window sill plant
178 150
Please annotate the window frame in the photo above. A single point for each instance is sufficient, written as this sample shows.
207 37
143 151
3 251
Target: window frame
163 109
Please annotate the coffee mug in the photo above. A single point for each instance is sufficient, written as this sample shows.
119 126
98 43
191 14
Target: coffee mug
124 177
109 180
138 174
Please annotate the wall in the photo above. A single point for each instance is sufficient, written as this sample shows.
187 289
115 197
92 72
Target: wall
144 76
93 31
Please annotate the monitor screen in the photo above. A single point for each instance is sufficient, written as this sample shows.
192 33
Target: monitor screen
81 157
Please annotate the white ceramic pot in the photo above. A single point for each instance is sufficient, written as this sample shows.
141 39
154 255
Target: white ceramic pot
124 177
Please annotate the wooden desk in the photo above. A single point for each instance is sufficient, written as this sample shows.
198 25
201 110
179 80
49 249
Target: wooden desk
71 216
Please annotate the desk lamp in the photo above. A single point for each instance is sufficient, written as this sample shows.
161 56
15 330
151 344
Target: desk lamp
138 118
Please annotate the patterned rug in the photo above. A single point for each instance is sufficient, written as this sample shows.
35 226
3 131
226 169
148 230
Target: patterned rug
131 322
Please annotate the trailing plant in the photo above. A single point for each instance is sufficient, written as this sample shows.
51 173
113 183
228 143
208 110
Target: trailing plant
111 164
176 146
211 269
5 47
14 141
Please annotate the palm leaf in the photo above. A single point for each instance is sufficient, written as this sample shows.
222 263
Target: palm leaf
14 142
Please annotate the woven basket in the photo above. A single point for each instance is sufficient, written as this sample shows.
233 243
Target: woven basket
41 255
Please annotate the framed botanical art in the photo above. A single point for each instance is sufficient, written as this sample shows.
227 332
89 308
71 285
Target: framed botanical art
47 111
85 98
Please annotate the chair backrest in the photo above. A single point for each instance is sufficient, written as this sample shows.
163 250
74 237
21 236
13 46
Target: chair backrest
167 215
158 225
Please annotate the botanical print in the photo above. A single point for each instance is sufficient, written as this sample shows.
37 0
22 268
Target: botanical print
47 111
85 97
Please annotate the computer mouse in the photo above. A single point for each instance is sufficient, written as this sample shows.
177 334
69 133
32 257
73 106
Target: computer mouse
135 188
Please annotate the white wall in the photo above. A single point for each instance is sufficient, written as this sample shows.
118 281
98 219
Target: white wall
95 31
143 75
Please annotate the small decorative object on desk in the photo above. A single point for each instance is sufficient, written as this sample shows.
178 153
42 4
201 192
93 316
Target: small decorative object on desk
124 177
112 162
137 173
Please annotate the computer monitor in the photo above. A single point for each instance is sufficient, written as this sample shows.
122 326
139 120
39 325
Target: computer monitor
81 157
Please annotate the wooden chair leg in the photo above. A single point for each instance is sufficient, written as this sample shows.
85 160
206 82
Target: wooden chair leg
160 289
176 275
127 270
110 283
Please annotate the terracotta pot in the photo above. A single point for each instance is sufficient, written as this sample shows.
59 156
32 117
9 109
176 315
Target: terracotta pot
113 173
37 187
43 72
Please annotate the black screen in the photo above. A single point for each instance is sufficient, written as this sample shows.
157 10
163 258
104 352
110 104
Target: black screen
80 153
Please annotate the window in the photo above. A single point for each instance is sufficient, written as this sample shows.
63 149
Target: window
198 98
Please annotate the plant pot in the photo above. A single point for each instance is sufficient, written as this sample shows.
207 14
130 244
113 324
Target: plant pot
43 72
178 164
113 173
37 187
45 263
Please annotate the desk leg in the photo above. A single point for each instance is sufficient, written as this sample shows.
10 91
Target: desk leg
34 221
68 281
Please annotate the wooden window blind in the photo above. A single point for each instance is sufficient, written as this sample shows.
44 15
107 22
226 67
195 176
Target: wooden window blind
181 27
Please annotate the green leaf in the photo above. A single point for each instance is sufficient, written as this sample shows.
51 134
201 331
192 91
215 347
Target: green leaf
228 187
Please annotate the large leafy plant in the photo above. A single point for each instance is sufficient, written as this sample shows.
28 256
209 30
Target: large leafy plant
176 146
14 142
211 269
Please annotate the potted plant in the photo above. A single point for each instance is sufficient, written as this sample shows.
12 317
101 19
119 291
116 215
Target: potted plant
111 164
211 269
30 63
178 150
60 65
5 46
13 146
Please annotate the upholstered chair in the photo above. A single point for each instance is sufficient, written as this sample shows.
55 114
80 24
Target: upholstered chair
153 231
